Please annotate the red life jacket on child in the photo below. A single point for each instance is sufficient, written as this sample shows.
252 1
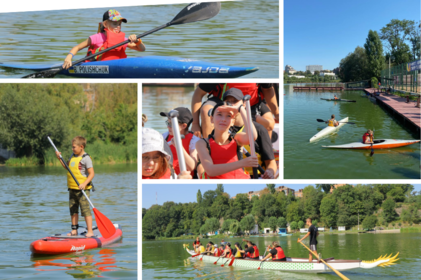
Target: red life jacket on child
217 253
112 39
221 154
367 135
251 89
279 254
167 175
186 144
230 254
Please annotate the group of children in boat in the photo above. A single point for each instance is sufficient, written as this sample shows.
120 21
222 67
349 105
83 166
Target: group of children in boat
215 135
251 250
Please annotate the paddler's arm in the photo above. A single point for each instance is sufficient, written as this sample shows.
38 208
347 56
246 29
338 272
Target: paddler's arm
58 157
91 175
196 104
270 97
270 169
266 120
136 44
219 169
68 60
305 236
242 137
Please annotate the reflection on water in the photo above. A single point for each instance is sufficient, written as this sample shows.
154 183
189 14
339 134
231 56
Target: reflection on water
82 265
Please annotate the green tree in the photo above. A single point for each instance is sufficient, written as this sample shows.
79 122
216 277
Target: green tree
271 188
219 207
293 226
199 197
300 224
208 198
397 194
27 115
395 33
354 66
389 212
273 223
282 222
219 189
329 211
227 224
212 224
294 212
374 51
247 223
235 227
325 187
370 222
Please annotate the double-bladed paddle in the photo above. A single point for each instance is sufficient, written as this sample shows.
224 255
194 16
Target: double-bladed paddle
105 226
191 13
320 120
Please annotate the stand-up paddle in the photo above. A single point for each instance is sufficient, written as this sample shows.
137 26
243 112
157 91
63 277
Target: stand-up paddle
173 114
320 120
249 124
191 13
105 226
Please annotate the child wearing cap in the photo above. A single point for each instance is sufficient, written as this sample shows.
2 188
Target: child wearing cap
109 34
219 153
155 157
188 139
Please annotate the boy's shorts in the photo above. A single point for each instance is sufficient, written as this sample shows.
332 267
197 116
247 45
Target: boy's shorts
76 200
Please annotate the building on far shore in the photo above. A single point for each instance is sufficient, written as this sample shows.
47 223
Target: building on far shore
327 74
334 187
284 189
296 76
289 69
299 193
313 68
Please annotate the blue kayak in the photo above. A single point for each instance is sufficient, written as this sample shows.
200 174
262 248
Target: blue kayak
144 67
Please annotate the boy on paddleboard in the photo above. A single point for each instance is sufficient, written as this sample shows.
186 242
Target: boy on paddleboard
313 233
109 34
80 163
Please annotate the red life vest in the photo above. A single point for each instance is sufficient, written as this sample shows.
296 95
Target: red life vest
279 254
221 154
365 136
186 144
112 39
256 252
217 253
248 255
167 175
251 89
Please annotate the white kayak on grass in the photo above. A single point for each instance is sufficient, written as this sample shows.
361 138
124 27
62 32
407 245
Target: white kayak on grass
328 130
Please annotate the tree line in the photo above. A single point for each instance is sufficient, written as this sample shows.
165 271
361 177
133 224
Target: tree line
29 112
216 211
398 41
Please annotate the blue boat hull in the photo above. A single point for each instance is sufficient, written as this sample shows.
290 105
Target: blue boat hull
145 67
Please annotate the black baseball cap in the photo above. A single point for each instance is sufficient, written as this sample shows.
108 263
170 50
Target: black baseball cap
234 92
184 115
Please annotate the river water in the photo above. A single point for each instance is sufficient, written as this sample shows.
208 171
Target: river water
305 160
168 260
244 33
35 204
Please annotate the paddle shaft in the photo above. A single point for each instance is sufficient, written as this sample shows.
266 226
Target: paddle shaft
68 169
334 270
177 138
320 120
262 171
250 132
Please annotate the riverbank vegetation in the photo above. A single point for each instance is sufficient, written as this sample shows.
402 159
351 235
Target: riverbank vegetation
105 114
398 42
309 78
368 205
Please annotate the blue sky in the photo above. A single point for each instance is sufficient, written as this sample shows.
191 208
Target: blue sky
183 193
323 32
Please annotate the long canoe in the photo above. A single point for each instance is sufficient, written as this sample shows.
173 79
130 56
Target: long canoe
344 100
378 144
328 130
144 67
300 264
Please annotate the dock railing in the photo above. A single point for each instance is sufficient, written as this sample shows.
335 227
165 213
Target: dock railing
403 77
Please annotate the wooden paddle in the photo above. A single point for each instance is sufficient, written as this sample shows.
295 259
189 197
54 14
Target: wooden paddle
232 261
191 13
222 265
249 124
105 226
320 120
334 270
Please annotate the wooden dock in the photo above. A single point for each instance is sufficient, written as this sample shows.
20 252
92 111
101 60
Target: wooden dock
398 106
317 88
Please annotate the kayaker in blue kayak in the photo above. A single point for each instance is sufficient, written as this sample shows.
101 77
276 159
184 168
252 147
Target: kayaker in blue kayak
109 34
332 121
80 163
368 137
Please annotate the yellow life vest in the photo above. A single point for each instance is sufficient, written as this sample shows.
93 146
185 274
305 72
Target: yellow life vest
74 167
212 248
238 254
202 249
330 123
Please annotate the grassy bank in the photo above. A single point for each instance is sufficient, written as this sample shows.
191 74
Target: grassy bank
101 153
411 229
